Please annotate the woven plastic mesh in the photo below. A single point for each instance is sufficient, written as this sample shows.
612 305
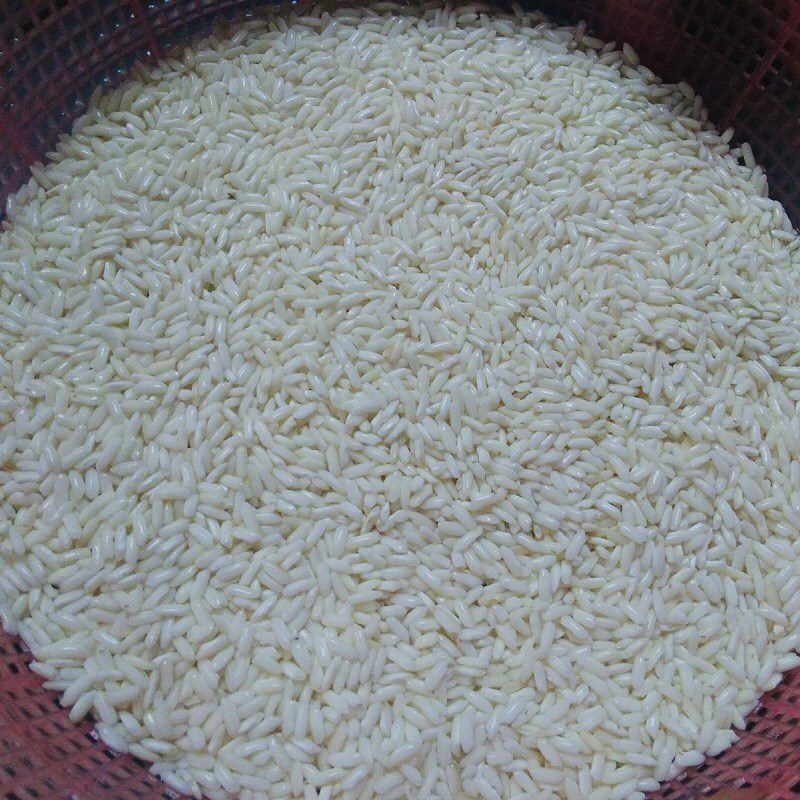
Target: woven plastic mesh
743 56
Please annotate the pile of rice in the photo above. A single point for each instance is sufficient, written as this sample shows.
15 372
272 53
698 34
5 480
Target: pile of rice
402 403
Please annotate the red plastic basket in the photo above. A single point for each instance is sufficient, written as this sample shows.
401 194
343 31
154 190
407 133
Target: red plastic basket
743 56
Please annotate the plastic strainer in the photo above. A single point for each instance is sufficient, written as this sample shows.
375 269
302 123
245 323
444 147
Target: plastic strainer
743 56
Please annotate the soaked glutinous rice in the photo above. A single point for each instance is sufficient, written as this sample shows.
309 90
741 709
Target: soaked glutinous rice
402 403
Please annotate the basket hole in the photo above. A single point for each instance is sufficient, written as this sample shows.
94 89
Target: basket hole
693 26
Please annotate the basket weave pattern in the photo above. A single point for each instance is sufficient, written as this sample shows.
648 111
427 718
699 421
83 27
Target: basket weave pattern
743 56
